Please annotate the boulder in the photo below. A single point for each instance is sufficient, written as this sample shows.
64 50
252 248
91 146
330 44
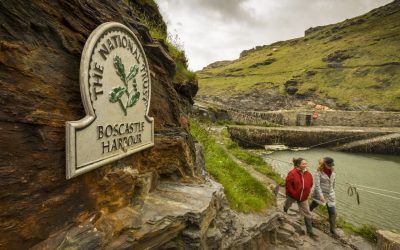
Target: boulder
291 90
291 82
265 62
338 56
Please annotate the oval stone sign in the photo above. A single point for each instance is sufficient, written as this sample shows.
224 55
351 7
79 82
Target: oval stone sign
115 89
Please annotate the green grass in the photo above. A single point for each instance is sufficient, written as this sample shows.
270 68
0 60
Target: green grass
366 231
182 73
364 78
251 159
244 192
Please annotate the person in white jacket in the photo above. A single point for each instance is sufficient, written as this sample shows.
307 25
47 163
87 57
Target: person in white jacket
324 190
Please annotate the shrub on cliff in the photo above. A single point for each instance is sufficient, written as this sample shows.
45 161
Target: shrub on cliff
149 14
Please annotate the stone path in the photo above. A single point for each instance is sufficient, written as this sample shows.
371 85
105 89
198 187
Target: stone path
291 234
216 131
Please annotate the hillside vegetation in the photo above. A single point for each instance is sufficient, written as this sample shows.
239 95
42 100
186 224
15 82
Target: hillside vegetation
243 191
148 12
355 64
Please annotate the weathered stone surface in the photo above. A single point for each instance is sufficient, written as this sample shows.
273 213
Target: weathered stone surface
388 240
174 215
169 215
361 243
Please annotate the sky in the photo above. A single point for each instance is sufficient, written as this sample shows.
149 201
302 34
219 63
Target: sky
214 30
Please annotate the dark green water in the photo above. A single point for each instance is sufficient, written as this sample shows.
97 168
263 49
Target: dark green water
377 178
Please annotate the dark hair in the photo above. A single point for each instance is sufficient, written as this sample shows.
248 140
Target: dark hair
329 161
297 161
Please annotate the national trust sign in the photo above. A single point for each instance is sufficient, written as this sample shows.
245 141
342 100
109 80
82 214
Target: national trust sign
115 89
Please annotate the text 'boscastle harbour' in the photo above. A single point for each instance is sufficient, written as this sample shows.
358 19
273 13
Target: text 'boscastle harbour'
119 136
116 88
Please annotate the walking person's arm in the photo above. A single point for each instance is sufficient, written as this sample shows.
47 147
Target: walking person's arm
289 184
317 179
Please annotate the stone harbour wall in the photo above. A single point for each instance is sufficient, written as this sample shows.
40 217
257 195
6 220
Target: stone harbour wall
256 137
271 118
354 118
325 117
385 144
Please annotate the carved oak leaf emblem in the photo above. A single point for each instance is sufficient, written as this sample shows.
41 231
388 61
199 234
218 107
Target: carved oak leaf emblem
118 92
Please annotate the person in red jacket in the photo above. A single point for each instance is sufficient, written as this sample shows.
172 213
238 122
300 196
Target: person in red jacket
298 186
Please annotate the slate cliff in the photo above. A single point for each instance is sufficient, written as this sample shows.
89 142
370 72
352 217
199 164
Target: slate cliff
158 198
41 44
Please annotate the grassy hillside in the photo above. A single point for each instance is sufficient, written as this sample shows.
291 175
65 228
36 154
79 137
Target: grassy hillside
355 63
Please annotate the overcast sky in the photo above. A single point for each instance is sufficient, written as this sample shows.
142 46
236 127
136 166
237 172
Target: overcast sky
213 30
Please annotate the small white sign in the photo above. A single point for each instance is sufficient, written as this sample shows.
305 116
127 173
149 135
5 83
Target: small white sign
116 89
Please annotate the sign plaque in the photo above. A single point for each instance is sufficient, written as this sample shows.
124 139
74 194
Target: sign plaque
115 89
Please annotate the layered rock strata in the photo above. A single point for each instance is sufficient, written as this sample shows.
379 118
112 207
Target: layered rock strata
41 44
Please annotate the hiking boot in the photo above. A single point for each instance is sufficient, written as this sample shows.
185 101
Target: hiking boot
308 223
332 224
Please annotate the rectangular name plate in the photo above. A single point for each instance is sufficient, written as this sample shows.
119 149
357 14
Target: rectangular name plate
115 89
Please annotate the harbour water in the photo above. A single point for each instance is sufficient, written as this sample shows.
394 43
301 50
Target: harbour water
377 178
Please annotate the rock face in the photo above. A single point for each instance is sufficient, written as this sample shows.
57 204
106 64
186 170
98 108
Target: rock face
260 100
173 216
41 44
